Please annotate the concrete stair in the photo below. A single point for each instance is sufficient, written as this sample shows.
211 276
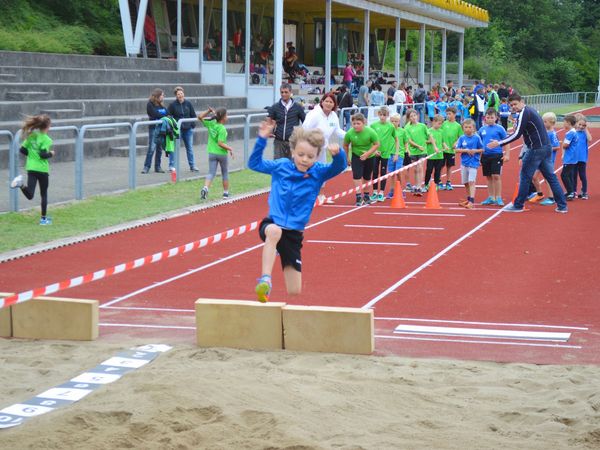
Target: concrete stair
79 90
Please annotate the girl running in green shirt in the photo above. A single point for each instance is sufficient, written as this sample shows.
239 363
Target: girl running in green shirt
217 149
36 148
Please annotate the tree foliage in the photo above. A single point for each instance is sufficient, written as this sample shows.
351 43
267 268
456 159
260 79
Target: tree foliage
555 42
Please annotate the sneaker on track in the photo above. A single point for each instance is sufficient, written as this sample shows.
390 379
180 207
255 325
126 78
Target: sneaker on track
562 210
536 198
381 197
547 202
449 186
499 201
584 196
489 201
511 208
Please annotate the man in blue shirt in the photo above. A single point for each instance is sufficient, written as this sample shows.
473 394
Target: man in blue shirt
493 158
538 156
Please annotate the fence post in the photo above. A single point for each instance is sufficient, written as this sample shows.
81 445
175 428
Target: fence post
13 148
133 155
246 140
79 164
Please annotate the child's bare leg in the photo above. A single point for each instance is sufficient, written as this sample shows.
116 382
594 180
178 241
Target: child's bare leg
419 174
357 184
491 187
471 189
226 185
273 235
497 183
293 280
366 189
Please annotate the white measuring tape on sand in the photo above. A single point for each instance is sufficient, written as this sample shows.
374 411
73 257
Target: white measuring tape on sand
77 388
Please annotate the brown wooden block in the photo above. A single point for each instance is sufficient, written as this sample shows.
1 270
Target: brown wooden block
239 324
327 329
56 318
5 322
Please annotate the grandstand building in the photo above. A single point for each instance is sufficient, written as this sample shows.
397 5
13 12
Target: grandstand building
238 49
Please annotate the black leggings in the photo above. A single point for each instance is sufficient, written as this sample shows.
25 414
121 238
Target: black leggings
568 177
435 166
380 168
29 190
580 169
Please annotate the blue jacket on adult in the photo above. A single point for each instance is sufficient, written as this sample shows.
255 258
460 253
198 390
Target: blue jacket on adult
293 193
184 110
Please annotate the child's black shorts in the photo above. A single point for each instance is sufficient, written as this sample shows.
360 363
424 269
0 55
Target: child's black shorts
407 159
491 164
362 169
289 245
449 160
415 158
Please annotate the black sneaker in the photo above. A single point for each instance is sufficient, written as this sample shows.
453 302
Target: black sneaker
584 196
366 200
145 170
194 169
570 197
225 195
359 201
159 170
203 193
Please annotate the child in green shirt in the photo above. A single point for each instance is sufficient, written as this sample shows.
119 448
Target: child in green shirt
361 143
434 147
396 160
36 148
417 135
386 132
217 149
451 130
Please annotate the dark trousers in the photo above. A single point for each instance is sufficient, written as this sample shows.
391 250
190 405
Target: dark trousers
380 169
29 191
567 176
435 166
504 122
580 170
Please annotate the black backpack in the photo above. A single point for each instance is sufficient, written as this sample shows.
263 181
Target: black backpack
419 95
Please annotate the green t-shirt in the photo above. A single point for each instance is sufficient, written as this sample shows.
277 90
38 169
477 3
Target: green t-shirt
451 131
386 132
36 143
361 142
401 136
216 133
438 137
419 134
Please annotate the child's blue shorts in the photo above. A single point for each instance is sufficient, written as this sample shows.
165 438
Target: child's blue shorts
395 165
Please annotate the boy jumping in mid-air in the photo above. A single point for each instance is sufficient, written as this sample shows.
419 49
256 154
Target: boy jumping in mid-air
295 185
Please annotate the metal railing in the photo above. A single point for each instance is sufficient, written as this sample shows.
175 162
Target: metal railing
546 102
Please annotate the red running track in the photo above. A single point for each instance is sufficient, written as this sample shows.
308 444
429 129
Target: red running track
477 270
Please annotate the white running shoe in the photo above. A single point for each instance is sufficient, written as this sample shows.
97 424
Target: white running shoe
17 181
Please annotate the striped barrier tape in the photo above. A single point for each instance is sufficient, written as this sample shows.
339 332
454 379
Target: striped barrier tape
160 256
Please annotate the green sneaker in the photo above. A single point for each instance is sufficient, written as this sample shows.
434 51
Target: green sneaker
263 289
373 197
381 197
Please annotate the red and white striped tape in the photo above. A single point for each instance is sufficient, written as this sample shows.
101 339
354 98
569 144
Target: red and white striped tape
156 257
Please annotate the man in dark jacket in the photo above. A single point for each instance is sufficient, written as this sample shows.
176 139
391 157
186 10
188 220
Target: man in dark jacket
183 109
345 100
287 115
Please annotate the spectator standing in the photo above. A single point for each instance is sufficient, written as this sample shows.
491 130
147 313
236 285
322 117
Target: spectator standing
400 98
419 99
377 97
155 110
287 114
503 91
390 93
449 89
349 75
363 97
181 108
344 100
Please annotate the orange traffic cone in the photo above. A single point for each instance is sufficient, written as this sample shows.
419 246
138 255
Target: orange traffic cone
432 198
516 193
397 200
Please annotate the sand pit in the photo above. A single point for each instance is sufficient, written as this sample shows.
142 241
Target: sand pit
192 398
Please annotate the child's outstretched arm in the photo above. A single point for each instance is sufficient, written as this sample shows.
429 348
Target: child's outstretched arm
256 161
338 162
203 114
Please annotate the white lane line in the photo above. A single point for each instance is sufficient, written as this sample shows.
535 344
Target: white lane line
211 264
135 325
496 324
465 341
391 227
409 244
140 308
484 333
430 261
418 214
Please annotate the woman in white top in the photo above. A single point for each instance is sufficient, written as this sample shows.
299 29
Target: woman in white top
325 118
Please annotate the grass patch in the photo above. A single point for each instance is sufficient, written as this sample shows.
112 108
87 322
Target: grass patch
22 229
566 109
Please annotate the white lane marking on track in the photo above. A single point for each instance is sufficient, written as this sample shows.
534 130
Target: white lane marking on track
418 214
531 325
465 341
211 264
430 261
391 227
484 333
410 244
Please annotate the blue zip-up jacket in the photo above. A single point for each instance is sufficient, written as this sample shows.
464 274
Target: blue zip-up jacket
293 193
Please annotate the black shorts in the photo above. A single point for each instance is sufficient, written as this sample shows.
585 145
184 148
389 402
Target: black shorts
289 246
415 158
449 159
362 169
491 164
407 159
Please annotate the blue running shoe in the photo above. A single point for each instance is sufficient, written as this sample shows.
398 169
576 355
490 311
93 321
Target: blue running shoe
390 194
441 187
489 201
449 186
45 221
263 289
499 201
512 209
547 202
